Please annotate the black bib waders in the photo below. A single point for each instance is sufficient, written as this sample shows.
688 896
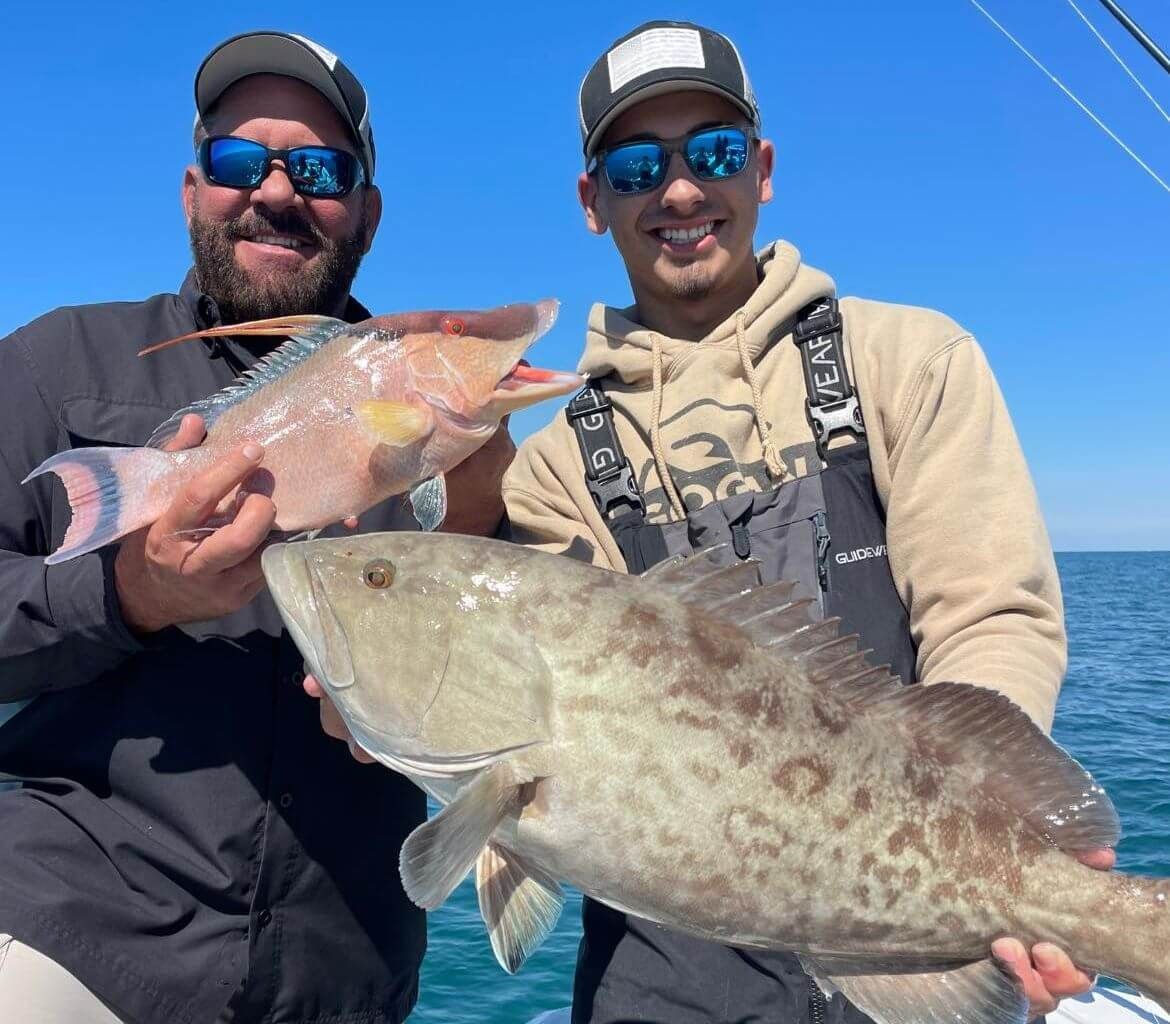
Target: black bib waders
826 531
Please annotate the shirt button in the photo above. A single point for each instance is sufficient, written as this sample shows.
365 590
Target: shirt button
286 800
264 918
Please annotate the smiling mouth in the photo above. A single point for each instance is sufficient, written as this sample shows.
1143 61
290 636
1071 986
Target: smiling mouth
684 235
282 241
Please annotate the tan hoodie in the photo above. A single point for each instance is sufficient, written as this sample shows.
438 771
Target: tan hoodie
967 547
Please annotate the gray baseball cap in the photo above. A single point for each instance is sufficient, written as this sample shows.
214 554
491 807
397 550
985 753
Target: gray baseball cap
655 58
294 56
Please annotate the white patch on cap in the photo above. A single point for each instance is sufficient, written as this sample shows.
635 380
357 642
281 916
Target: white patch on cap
328 58
653 50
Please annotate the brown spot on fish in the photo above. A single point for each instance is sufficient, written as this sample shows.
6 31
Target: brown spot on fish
696 721
884 873
862 800
742 752
868 860
924 777
909 835
840 822
892 898
944 892
704 772
802 778
643 620
837 855
861 894
950 831
910 878
829 719
719 649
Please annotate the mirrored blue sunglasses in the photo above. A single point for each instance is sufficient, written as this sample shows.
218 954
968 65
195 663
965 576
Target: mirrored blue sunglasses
315 171
711 154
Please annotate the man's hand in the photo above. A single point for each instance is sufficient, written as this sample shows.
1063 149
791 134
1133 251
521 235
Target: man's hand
474 502
164 577
1048 975
331 721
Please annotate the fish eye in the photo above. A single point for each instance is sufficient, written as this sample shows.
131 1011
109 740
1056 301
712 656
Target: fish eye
453 325
379 574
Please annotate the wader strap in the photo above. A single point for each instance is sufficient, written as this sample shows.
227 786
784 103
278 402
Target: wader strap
832 404
608 473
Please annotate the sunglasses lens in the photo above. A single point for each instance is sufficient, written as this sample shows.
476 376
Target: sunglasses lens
718 153
235 162
636 167
321 171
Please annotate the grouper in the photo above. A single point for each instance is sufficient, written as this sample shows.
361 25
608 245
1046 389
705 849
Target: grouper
348 414
692 747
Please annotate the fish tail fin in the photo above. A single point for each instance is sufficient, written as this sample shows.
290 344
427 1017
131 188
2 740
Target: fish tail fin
108 491
1141 923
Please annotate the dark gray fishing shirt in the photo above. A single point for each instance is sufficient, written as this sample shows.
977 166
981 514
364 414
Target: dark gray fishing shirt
181 834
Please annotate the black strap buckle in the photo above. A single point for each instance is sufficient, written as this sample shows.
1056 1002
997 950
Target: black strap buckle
832 404
616 489
608 472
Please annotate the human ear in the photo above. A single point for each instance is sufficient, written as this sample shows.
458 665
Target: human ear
765 162
587 195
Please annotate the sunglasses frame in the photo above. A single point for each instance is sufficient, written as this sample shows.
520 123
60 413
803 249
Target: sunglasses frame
203 158
669 147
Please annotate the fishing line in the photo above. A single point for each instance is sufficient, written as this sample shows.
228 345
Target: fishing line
1063 88
1117 57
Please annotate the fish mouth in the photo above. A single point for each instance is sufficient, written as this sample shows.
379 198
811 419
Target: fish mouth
297 587
526 385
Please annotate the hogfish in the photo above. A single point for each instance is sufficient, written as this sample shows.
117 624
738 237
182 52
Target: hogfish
348 415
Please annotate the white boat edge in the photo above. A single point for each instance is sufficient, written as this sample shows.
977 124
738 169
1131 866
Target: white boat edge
1101 1006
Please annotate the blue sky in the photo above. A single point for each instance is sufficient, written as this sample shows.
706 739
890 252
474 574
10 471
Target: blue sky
921 159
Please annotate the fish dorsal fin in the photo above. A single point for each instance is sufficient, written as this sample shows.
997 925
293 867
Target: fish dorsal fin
972 725
706 579
894 992
986 731
305 336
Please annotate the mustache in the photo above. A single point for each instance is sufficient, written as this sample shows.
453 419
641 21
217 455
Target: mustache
269 222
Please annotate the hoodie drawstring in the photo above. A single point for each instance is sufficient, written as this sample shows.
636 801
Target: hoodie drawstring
776 468
676 504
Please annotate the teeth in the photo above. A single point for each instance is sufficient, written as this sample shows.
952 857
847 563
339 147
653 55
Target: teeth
282 240
687 234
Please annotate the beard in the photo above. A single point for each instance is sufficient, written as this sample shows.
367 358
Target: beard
692 284
320 288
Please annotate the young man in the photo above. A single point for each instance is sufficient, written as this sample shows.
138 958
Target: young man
183 845
860 448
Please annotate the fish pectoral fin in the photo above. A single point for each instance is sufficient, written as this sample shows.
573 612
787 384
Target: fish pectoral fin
428 502
397 424
520 904
438 854
978 992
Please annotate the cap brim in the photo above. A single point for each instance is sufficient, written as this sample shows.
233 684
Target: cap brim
676 83
267 53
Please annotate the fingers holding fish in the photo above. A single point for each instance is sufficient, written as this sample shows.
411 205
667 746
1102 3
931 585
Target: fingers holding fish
189 435
475 504
331 720
1047 975
179 570
234 543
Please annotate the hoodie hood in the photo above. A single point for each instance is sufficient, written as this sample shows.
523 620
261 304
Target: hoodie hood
616 344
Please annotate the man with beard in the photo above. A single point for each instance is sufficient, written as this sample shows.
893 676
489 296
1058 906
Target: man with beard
181 843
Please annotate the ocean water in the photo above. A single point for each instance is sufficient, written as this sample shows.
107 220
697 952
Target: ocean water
1113 716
